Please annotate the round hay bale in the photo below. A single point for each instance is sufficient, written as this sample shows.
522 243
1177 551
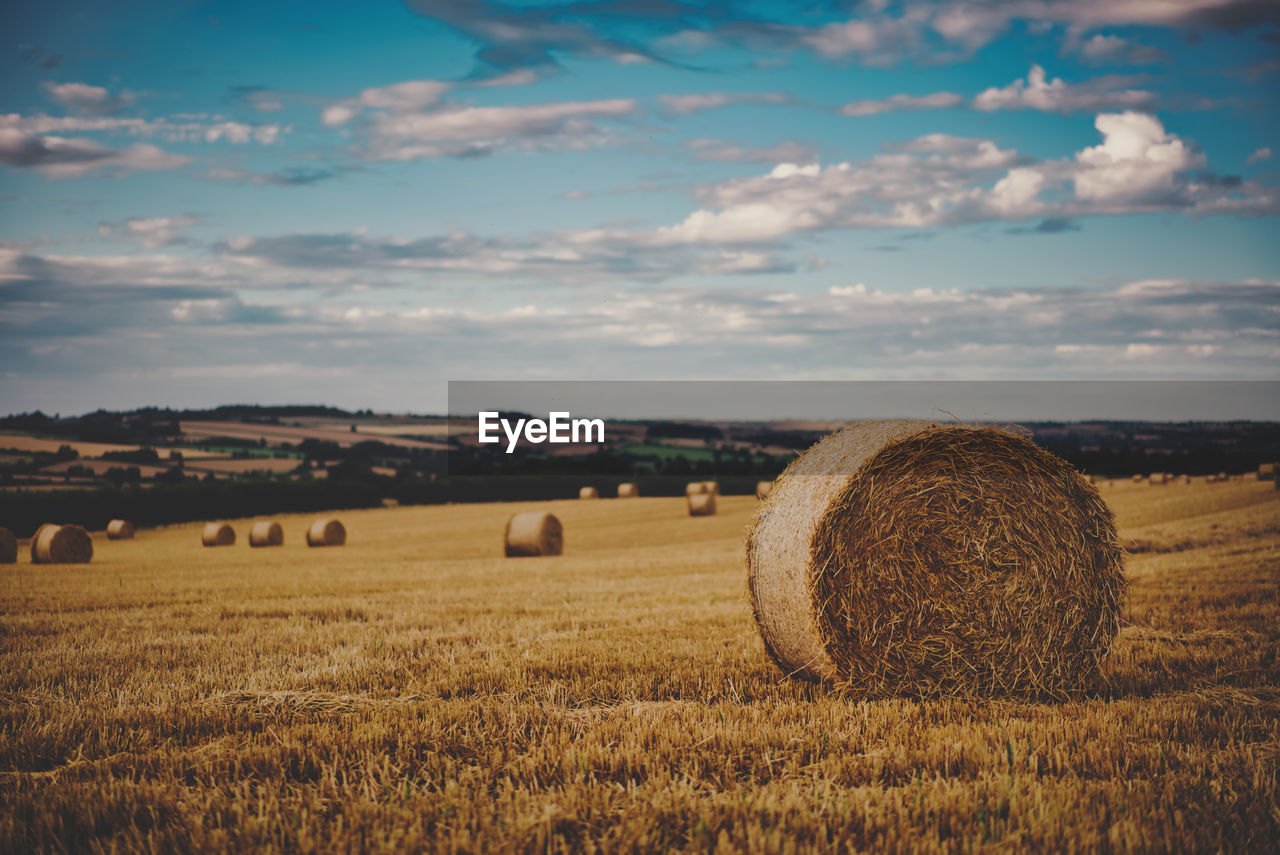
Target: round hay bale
533 533
628 491
266 533
702 504
712 487
218 534
1137 478
35 538
694 488
588 493
926 558
119 530
8 547
62 544
763 489
326 532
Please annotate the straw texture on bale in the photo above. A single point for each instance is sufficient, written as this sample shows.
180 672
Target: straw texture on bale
266 533
712 487
8 547
119 530
702 504
325 532
218 534
62 544
588 493
763 489
533 533
628 491
913 557
694 488
35 538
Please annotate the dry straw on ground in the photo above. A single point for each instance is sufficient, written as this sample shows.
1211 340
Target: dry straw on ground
763 489
327 532
702 504
628 491
218 534
266 533
61 544
588 493
533 533
924 558
8 547
119 530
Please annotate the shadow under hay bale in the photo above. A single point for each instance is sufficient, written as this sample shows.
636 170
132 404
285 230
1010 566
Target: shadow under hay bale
266 533
702 504
912 557
628 491
588 493
119 530
533 533
325 532
218 534
8 547
61 544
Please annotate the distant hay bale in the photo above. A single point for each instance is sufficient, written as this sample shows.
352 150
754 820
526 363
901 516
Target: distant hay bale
1137 478
1158 479
62 544
694 488
266 533
326 532
1267 471
218 534
926 558
628 491
702 504
588 493
763 489
533 533
119 530
8 547
35 538
1222 476
1185 479
712 487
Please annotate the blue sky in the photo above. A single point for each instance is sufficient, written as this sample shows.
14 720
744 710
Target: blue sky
352 204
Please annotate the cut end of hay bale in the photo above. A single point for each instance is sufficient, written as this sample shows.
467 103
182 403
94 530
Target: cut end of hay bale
702 504
8 547
695 488
326 532
911 557
531 534
218 534
61 544
763 489
266 533
119 530
588 493
628 491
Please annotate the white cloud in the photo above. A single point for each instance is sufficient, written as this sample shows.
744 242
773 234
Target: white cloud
722 150
1038 92
685 105
1258 156
1137 164
59 157
83 98
151 232
405 97
896 103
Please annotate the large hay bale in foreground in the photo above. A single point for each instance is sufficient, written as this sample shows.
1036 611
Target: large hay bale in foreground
327 532
119 530
62 544
8 547
763 489
628 491
218 534
266 533
925 558
588 493
702 504
533 533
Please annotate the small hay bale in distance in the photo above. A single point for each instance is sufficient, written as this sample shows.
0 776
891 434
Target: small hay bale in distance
1267 471
8 547
628 490
62 544
119 530
266 533
218 534
588 493
35 538
919 558
533 533
326 532
712 487
763 489
702 504
694 488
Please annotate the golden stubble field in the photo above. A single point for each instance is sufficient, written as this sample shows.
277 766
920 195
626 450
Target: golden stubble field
415 691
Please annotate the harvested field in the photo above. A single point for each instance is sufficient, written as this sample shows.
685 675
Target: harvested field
275 434
25 442
416 690
250 464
